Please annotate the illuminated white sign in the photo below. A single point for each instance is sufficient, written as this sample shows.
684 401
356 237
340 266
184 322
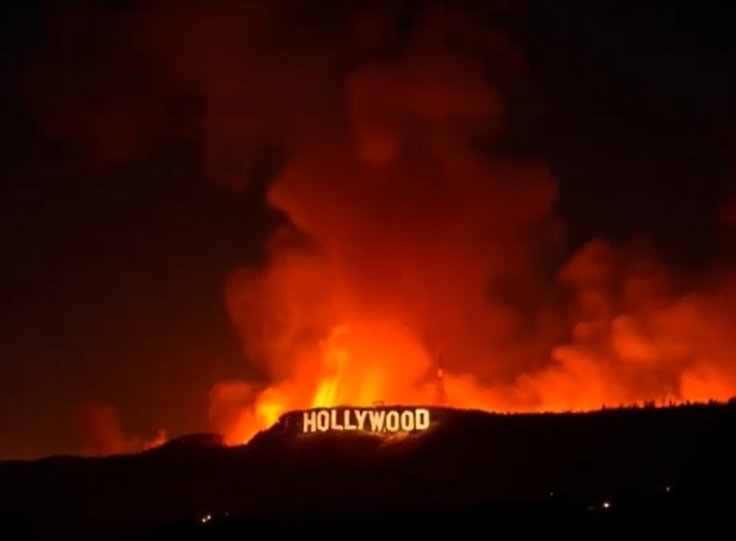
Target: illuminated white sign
367 420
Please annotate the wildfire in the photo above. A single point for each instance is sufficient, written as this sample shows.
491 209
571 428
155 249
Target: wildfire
351 367
271 405
428 275
416 259
335 356
160 439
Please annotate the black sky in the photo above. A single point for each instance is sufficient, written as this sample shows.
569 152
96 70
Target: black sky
111 285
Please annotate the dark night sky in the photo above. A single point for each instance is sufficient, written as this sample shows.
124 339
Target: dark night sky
111 285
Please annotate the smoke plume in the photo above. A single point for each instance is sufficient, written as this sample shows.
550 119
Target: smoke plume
100 432
412 231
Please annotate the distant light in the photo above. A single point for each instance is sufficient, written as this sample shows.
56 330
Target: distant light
606 505
551 493
668 488
206 519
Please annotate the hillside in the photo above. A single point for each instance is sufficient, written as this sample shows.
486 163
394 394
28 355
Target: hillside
468 464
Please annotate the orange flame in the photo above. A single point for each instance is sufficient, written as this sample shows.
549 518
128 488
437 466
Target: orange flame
335 357
160 439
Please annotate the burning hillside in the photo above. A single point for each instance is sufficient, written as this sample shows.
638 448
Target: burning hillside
415 237
418 261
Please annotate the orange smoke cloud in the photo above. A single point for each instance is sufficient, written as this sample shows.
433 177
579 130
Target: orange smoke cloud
408 228
412 231
421 244
99 430
637 335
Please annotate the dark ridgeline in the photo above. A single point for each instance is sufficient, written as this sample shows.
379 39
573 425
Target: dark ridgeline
614 470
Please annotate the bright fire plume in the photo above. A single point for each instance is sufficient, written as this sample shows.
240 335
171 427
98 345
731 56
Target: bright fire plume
417 225
414 236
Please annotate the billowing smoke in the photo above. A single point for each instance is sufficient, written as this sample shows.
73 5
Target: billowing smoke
414 233
637 333
100 433
99 430
405 218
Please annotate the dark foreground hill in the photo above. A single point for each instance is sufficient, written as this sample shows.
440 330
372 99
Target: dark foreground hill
616 472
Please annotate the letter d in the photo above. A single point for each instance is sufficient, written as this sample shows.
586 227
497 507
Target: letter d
421 421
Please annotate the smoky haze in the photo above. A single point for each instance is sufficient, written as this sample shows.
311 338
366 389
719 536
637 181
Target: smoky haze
420 216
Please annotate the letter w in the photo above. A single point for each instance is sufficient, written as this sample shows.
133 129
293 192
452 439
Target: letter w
376 419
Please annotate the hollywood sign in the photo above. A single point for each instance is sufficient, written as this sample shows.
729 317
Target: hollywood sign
366 420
